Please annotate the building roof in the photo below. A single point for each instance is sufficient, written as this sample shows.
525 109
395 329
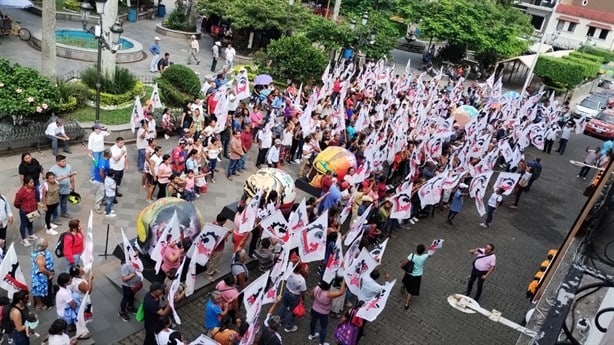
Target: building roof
587 13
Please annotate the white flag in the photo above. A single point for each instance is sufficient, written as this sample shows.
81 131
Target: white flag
430 192
253 295
378 251
88 246
401 202
132 256
362 265
172 291
334 262
326 74
208 238
249 214
242 86
171 233
506 181
10 271
313 239
81 323
190 279
407 68
137 114
155 97
373 307
356 226
479 183
275 225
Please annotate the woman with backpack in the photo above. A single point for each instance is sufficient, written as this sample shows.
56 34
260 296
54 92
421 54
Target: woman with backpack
42 274
17 314
72 243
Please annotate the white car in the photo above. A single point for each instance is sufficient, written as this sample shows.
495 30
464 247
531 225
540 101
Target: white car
590 107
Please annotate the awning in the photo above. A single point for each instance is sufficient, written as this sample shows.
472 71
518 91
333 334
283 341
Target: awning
599 26
528 60
568 19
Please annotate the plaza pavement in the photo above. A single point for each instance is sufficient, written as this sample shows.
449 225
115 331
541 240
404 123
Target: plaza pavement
522 237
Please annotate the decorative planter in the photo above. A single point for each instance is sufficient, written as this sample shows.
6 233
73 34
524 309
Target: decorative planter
184 35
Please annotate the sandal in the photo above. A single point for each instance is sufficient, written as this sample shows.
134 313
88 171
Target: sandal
48 307
85 336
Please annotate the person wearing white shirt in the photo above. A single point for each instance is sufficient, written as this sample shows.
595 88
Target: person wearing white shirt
550 136
54 132
142 135
272 158
369 287
494 201
565 134
6 219
229 54
265 141
118 162
294 291
95 146
194 49
57 335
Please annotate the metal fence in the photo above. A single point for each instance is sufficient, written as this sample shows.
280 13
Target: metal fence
76 74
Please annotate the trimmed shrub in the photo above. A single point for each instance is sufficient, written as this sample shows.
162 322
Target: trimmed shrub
559 72
590 69
122 98
177 84
177 20
585 56
605 55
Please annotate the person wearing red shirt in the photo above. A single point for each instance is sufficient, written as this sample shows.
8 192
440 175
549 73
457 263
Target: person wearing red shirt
179 156
25 201
73 243
327 181
246 141
211 104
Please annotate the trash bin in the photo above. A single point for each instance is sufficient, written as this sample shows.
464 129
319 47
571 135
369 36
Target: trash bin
132 15
348 53
161 10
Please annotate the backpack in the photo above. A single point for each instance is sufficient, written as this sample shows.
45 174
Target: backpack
59 247
5 319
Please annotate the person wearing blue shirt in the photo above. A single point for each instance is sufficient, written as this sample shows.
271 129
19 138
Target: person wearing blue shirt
331 198
457 203
412 280
213 311
154 49
102 167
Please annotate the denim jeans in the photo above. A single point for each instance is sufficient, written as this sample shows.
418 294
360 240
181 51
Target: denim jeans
289 301
232 167
76 260
323 318
63 206
212 165
96 157
54 144
489 213
26 227
140 160
108 200
241 164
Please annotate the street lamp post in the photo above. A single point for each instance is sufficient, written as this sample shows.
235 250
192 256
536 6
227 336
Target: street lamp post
365 37
113 35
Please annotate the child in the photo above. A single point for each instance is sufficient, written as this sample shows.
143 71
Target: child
110 186
188 193
168 123
201 182
31 324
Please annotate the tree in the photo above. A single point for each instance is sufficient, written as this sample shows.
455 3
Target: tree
558 72
48 51
294 57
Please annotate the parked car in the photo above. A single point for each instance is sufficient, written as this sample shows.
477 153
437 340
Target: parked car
602 125
606 83
591 106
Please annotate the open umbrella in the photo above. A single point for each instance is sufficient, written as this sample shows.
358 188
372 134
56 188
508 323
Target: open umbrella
263 79
463 114
511 94
15 3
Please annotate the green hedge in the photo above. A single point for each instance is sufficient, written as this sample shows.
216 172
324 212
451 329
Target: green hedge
594 58
606 55
178 84
66 107
590 69
107 99
559 72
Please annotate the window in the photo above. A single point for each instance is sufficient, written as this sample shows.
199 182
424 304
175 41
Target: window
591 31
571 27
560 25
603 34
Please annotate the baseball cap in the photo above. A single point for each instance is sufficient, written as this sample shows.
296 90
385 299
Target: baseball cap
156 38
218 44
463 185
367 198
96 126
192 36
277 141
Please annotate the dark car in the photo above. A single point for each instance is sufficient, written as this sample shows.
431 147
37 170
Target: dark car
602 125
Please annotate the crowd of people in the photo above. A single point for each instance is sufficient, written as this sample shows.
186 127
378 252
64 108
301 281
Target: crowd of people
415 150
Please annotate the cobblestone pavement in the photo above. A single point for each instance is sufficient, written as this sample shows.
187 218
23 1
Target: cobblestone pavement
521 237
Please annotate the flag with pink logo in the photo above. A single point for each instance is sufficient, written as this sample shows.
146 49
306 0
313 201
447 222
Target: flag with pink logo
170 233
356 226
131 256
401 202
334 262
253 295
373 307
430 192
313 239
208 238
361 266
276 226
506 181
249 214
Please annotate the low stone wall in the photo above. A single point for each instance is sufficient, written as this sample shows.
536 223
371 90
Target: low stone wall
183 35
76 17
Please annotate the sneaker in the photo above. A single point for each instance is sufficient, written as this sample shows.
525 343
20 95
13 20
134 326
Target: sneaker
166 136
149 201
415 219
229 178
311 337
98 210
578 176
110 215
132 310
53 226
33 237
412 221
293 329
66 215
124 316
51 232
297 161
513 206
26 242
484 225
56 222
324 344
92 180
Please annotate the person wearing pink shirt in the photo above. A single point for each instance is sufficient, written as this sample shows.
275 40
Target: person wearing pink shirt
483 266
